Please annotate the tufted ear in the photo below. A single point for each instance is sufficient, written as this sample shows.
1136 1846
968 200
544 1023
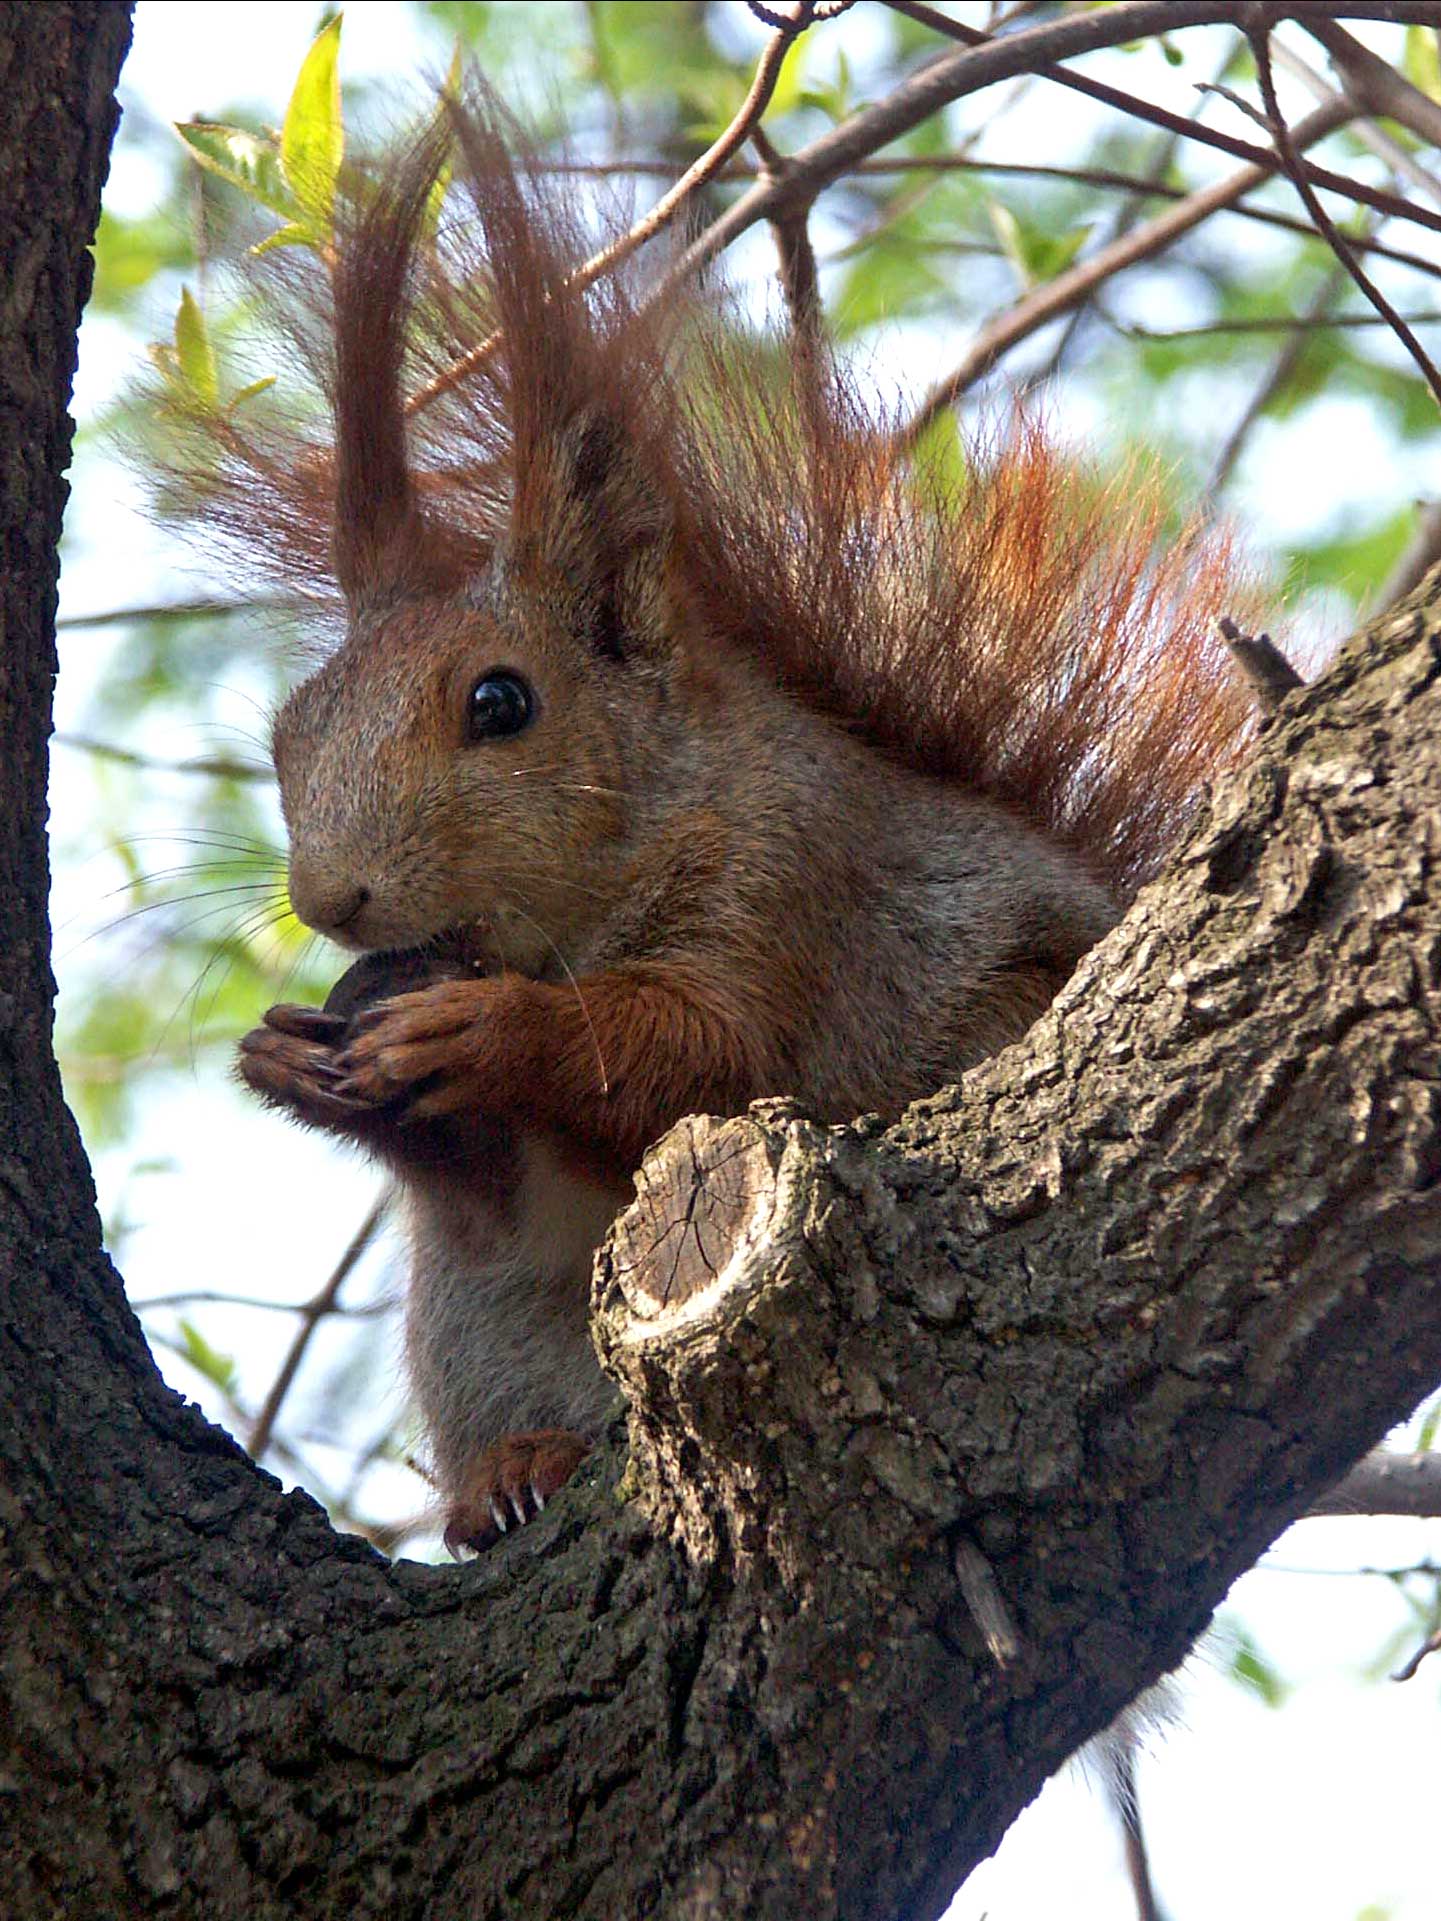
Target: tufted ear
593 528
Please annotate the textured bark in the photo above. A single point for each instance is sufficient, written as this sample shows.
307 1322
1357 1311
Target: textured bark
1076 1339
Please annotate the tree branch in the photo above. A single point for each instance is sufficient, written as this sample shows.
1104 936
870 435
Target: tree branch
1286 143
1055 297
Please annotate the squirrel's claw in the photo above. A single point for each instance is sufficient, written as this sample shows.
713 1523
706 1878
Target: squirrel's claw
509 1484
306 1023
298 1074
418 1051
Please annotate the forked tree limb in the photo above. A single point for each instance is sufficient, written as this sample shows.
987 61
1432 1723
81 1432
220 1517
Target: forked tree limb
1112 1312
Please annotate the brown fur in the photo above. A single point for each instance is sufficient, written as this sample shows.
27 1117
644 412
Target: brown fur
832 774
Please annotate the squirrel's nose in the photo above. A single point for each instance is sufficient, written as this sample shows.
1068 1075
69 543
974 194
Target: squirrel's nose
324 903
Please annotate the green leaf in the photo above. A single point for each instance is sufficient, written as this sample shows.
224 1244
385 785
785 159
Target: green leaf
312 140
130 252
249 392
194 353
1008 232
1250 1669
1035 250
248 161
939 464
295 233
1421 60
205 1359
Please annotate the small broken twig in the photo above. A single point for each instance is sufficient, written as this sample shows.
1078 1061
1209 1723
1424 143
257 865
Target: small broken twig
1267 670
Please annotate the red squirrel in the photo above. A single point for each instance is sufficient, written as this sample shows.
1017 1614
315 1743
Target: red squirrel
685 745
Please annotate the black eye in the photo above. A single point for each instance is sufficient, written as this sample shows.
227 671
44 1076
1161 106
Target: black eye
500 705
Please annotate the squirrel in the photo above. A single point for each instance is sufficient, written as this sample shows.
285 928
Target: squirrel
684 745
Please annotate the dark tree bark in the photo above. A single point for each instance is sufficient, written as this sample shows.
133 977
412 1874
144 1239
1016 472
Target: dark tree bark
1060 1353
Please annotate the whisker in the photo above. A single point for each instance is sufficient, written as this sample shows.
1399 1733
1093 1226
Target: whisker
307 948
171 900
580 998
220 837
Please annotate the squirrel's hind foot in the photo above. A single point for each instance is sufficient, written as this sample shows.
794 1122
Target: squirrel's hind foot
509 1484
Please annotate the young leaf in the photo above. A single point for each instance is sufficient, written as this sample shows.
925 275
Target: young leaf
194 353
205 1359
295 233
249 392
1250 1669
248 161
1008 232
312 140
1422 61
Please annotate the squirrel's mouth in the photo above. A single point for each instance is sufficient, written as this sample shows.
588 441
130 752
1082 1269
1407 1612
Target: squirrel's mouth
458 953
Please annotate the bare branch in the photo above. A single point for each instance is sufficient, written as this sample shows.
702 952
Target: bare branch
1401 163
798 276
1376 85
1309 322
1282 366
1129 183
1140 109
741 129
217 1297
312 1314
1044 304
216 766
1386 1483
172 610
1286 148
1420 556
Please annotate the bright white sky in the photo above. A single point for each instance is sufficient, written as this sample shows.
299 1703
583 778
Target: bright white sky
1325 1811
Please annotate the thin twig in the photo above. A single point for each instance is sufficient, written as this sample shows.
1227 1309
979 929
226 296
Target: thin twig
217 1297
1429 1646
312 1314
1401 163
800 281
1421 555
1138 108
1044 304
1283 365
741 128
1109 177
1378 86
218 768
1266 324
1284 136
172 610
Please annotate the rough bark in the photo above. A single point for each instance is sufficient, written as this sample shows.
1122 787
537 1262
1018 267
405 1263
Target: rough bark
1075 1339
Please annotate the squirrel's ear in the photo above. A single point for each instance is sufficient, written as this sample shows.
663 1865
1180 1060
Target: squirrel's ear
592 526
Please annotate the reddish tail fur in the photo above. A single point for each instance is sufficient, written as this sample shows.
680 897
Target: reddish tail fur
1021 634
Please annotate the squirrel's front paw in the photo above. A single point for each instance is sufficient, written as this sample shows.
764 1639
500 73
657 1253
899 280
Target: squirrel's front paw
509 1484
426 1054
292 1062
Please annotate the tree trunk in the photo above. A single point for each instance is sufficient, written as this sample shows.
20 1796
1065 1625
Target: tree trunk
944 1438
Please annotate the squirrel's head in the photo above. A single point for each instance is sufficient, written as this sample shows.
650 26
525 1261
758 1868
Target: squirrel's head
478 760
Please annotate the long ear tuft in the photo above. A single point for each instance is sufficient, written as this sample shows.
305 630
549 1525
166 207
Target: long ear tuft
380 539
